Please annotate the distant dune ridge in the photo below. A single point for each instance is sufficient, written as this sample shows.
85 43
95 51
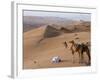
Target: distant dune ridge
53 31
49 34
32 22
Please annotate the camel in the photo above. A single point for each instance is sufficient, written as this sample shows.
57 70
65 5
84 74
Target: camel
80 48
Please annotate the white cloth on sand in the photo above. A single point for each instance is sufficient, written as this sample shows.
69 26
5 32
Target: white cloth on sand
56 59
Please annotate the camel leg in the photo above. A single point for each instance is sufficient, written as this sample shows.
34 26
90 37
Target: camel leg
88 54
72 55
79 57
73 59
82 57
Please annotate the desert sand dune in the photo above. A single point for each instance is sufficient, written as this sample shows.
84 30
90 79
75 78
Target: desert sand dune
39 55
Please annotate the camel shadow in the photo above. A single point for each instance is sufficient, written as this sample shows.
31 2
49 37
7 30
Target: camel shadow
66 60
87 63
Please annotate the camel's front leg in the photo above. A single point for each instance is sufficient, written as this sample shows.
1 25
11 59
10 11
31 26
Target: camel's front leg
73 60
79 57
82 58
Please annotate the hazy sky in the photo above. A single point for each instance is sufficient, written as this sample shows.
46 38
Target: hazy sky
73 16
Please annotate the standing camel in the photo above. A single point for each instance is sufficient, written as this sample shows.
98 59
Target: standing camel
80 48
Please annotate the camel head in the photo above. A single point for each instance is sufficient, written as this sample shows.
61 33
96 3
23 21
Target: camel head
65 43
72 42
